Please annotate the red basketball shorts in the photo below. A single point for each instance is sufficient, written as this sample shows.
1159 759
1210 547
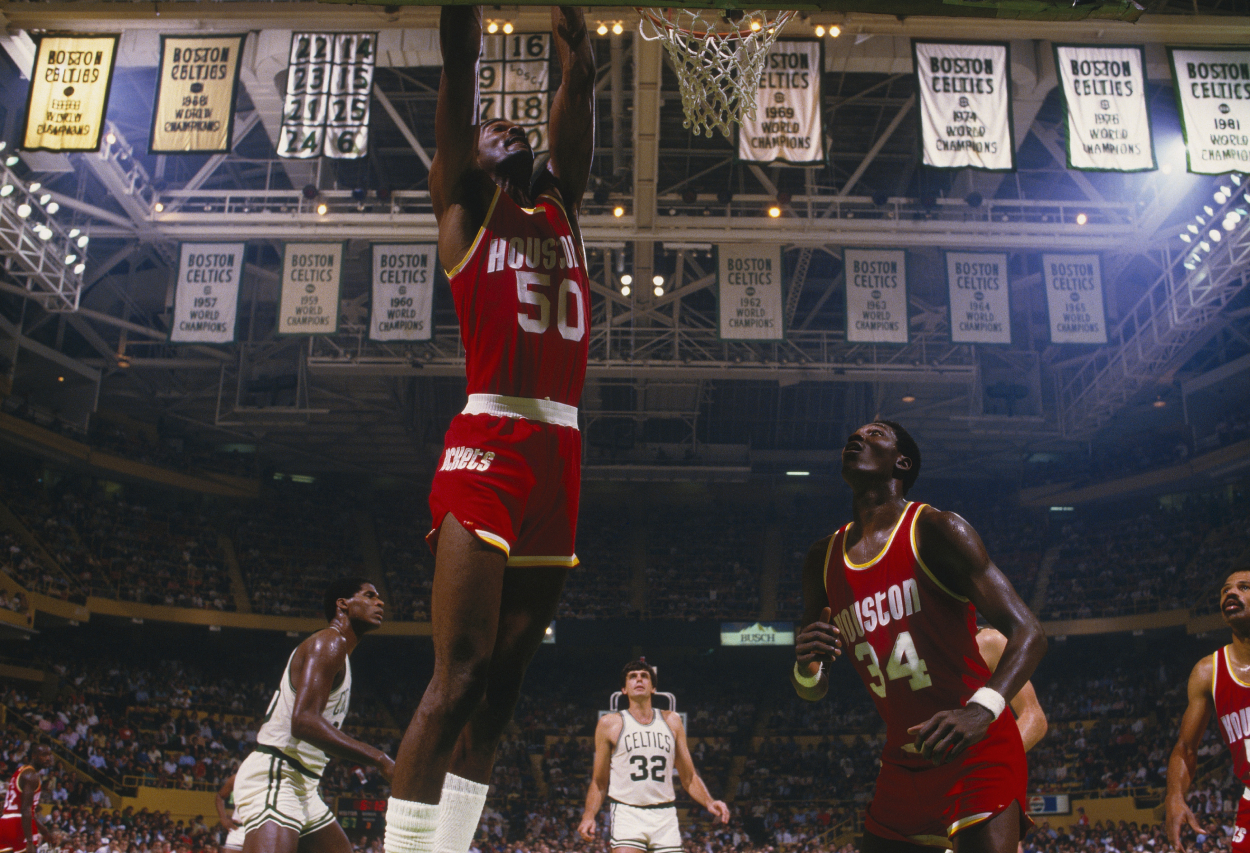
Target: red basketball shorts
928 806
512 482
1240 842
12 835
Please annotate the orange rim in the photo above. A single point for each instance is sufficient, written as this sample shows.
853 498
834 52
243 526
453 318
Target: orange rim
662 18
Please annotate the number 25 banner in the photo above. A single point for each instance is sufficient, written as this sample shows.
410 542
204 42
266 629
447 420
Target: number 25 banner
1213 89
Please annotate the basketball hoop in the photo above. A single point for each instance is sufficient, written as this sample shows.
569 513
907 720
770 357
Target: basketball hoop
719 56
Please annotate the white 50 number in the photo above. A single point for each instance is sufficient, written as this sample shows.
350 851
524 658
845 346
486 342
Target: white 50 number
571 328
903 663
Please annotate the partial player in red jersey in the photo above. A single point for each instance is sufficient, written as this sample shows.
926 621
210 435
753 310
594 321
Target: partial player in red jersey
899 589
505 493
19 829
1219 684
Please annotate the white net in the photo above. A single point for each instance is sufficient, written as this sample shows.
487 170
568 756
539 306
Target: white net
719 57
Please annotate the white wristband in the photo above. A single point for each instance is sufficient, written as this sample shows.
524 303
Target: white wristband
990 700
807 680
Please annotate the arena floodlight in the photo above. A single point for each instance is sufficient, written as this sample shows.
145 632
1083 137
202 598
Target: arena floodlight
618 28
1235 178
1220 198
1193 229
1204 246
82 241
78 269
1187 238
52 208
70 258
658 290
6 191
23 210
602 29
34 187
11 160
1214 234
625 290
627 279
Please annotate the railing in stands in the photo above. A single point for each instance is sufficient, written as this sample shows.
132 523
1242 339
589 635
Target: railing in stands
69 758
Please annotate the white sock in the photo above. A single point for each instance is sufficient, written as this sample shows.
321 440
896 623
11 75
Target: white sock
410 826
459 811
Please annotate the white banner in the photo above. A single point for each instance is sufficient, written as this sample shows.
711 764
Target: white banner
1074 296
787 125
876 296
513 82
980 305
748 277
1213 88
206 295
329 85
1108 117
196 85
403 291
965 105
69 90
311 273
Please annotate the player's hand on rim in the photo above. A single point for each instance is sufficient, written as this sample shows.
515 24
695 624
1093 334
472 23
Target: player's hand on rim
948 733
1182 815
820 641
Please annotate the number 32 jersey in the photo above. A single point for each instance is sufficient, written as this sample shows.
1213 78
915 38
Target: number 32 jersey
641 772
523 298
912 640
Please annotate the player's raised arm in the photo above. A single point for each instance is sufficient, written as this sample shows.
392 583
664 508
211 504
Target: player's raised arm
691 781
606 732
455 118
572 122
1184 759
1030 718
818 642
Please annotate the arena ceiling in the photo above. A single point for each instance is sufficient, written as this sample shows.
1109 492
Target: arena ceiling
666 398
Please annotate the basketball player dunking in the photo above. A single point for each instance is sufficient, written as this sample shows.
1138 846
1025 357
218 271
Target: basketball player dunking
899 588
1219 684
19 828
505 493
636 752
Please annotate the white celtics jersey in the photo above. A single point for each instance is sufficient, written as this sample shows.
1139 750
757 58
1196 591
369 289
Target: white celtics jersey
642 763
275 731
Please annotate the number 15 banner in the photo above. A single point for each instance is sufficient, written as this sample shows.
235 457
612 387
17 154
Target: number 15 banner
1213 90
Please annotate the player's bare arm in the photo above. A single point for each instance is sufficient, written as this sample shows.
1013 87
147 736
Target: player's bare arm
1184 759
320 663
606 734
818 643
28 784
954 552
572 124
223 814
1030 718
691 781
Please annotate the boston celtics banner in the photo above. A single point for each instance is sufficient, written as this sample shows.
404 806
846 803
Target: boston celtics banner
965 105
198 79
207 293
69 91
876 296
1213 90
980 306
787 125
329 85
748 277
311 273
1108 119
403 291
1074 296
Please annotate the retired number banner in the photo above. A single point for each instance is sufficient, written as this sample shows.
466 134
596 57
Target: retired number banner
748 278
965 105
513 79
1074 296
876 296
311 273
1108 118
403 291
207 293
69 91
1213 90
195 94
980 305
787 126
329 85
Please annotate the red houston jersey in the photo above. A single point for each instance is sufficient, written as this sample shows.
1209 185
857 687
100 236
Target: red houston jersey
1232 709
523 299
13 796
912 640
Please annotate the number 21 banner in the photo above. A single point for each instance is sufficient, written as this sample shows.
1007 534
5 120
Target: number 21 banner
1213 90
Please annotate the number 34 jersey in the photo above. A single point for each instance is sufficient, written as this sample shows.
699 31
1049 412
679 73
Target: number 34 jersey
523 298
912 640
641 772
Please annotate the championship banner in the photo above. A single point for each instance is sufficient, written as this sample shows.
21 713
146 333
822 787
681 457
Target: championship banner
965 105
748 278
206 295
311 273
1213 92
980 304
195 94
1074 296
329 85
513 79
787 126
403 291
876 296
69 91
1104 89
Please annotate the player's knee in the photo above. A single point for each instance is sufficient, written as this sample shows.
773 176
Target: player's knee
463 688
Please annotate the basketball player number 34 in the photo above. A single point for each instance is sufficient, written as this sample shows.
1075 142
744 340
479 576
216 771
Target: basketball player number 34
903 663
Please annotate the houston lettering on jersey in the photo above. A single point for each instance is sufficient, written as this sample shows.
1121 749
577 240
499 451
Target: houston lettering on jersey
1232 709
878 610
647 740
471 458
1236 725
531 253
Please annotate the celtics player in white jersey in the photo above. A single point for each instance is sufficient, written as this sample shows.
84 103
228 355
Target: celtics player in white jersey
275 788
636 752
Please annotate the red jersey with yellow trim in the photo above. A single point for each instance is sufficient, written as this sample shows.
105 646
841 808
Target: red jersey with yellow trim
13 796
912 640
523 298
1232 709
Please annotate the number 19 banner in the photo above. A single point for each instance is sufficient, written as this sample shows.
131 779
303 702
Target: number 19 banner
1213 90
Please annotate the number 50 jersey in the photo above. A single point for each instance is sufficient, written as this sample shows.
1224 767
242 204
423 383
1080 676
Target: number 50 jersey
523 298
641 772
